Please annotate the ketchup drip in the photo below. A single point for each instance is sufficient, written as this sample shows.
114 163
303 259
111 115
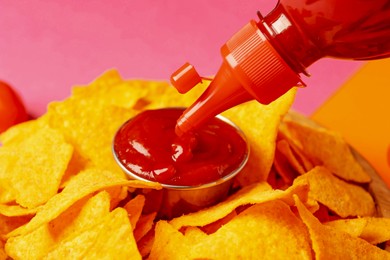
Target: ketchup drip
148 147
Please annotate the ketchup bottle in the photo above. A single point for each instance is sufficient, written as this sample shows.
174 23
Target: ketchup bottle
265 59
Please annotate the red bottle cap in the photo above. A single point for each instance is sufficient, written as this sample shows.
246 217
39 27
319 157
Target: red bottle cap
185 78
251 69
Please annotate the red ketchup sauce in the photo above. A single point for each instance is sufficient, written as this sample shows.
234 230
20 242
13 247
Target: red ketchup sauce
148 147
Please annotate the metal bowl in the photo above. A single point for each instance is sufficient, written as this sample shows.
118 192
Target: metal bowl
179 199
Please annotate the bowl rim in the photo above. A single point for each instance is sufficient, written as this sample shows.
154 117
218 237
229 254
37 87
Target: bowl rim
224 179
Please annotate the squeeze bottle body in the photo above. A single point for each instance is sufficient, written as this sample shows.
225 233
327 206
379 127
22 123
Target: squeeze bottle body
266 58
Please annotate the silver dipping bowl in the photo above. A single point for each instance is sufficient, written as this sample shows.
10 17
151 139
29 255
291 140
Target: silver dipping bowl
178 200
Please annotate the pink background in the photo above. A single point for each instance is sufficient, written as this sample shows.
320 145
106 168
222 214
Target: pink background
46 47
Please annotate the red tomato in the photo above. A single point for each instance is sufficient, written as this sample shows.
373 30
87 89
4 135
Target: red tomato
12 110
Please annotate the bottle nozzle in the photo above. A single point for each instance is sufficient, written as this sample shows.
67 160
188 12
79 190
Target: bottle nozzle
251 69
223 93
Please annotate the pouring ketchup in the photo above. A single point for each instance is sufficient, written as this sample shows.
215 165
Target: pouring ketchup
265 58
148 147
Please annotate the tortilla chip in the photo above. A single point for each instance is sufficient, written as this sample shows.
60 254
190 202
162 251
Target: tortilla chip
321 145
31 170
108 79
251 118
18 133
145 244
253 234
166 238
16 210
144 225
256 193
81 185
285 149
213 227
116 240
107 91
80 216
85 126
110 90
112 238
7 224
343 198
330 243
284 169
117 194
373 230
195 234
134 209
284 135
3 255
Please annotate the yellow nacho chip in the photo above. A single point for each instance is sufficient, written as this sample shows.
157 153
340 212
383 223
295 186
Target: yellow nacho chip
343 198
7 224
19 132
354 226
260 124
16 210
110 90
284 169
145 243
80 216
112 238
268 230
117 195
3 254
214 226
90 129
109 78
32 169
287 151
372 229
144 225
256 193
134 209
330 243
299 156
81 185
116 240
321 145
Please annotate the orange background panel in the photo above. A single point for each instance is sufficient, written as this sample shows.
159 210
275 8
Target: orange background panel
360 110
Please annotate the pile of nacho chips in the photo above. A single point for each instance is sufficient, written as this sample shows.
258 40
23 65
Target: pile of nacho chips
302 194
